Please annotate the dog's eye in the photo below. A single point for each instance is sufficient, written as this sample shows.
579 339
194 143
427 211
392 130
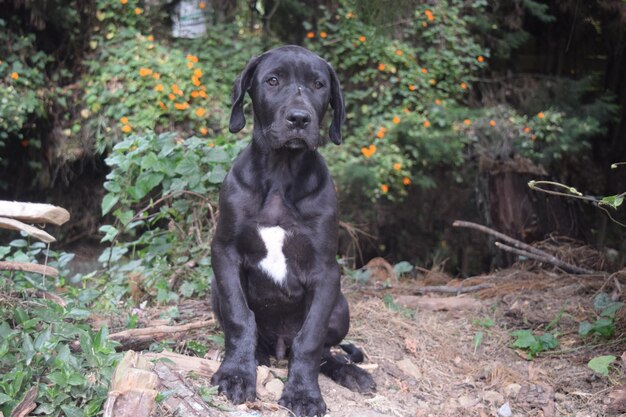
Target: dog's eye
273 81
318 85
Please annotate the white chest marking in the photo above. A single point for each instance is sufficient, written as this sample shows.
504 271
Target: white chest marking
275 263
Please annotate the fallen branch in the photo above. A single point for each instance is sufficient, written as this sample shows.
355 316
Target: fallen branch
34 212
547 258
28 267
33 231
139 339
451 290
202 367
40 294
27 405
524 248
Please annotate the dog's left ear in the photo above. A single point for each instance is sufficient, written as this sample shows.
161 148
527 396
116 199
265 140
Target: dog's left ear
240 88
339 109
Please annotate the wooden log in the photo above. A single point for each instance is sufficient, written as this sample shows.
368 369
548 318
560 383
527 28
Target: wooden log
34 212
545 258
27 405
139 339
185 402
33 231
133 388
450 290
203 367
28 267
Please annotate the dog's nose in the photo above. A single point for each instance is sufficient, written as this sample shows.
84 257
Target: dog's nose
298 119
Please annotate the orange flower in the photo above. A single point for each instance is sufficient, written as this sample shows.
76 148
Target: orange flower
126 129
156 75
424 24
202 93
349 15
438 102
138 11
176 90
150 38
396 120
541 115
15 75
406 110
171 96
362 38
406 181
429 15
204 130
202 5
424 71
159 87
480 58
181 106
467 122
200 112
197 72
195 81
399 52
426 123
144 72
463 86
397 166
526 129
384 188
380 134
381 67
411 87
369 151
323 35
190 65
123 1
162 105
310 35
195 93
492 123
432 81
124 120
192 58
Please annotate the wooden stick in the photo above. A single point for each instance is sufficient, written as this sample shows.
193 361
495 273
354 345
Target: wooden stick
28 267
553 260
203 367
33 231
546 257
137 339
451 290
27 405
34 212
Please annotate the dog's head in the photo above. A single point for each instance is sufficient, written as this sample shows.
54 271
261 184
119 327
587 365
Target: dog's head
291 89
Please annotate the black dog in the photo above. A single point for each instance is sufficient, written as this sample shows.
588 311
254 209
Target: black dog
276 289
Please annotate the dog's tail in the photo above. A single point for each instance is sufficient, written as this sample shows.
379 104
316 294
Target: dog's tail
355 355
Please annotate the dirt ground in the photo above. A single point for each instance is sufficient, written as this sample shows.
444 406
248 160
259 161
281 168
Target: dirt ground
423 355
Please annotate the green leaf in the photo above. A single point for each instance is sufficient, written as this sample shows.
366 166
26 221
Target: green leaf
585 328
58 378
402 267
146 182
611 310
4 398
218 154
71 411
600 364
110 233
478 339
108 202
613 201
602 301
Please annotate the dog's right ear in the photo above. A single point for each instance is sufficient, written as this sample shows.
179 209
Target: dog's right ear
240 88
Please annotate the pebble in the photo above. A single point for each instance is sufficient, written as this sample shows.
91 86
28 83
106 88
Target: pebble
275 388
505 410
493 397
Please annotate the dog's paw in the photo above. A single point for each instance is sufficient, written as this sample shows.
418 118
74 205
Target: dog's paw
237 383
354 378
303 402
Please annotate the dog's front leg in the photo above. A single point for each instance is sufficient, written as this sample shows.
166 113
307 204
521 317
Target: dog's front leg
302 392
236 377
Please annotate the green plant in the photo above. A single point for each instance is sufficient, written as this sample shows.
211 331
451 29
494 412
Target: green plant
479 336
391 304
600 364
604 325
533 344
161 191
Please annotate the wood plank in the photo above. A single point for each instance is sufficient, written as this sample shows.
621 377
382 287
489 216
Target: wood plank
28 267
33 231
34 212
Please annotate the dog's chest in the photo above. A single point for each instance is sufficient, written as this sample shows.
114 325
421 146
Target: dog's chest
276 243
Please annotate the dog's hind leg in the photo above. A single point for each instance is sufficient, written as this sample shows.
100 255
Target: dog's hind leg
343 371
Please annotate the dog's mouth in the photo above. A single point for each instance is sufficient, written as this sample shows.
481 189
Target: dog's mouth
295 143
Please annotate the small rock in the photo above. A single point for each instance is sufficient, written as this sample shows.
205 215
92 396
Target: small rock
505 410
467 401
407 366
511 390
560 396
275 388
493 397
262 373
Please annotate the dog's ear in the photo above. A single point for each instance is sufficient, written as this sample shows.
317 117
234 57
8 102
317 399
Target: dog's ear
339 109
240 88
